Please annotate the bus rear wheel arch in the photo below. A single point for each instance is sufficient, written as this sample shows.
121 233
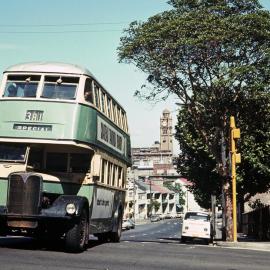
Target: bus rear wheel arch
116 232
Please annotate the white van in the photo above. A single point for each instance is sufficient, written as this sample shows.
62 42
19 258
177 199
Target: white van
196 225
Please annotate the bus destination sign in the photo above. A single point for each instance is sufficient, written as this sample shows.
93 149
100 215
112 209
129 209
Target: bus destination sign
110 136
31 127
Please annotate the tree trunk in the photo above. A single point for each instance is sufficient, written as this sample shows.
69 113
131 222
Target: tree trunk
226 192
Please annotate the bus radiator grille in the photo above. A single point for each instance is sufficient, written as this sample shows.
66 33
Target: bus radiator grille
24 194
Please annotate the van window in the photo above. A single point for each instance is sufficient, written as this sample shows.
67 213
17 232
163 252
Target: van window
197 216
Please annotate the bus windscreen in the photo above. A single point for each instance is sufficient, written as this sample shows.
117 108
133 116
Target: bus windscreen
12 152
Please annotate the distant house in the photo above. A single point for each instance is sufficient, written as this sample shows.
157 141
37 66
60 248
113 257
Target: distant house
148 191
190 203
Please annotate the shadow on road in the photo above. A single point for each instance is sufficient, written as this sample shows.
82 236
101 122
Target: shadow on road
28 243
167 241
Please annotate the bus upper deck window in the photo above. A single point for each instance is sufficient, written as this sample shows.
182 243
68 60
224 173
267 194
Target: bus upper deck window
23 86
58 87
96 91
88 91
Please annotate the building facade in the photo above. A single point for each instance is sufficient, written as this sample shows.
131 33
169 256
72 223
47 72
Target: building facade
151 168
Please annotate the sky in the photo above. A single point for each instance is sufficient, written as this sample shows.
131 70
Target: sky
87 33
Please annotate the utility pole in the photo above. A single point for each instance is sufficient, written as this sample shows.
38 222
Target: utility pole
235 158
150 186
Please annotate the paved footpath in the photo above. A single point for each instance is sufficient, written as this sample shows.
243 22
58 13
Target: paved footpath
244 242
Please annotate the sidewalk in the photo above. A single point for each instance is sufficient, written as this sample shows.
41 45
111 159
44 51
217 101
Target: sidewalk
142 221
244 242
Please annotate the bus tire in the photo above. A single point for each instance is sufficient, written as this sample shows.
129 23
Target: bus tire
183 239
3 230
115 236
78 235
206 241
102 237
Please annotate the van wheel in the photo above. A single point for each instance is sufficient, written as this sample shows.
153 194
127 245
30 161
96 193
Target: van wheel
183 239
78 235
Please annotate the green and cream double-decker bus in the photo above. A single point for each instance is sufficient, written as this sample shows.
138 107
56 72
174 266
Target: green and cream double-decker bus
64 151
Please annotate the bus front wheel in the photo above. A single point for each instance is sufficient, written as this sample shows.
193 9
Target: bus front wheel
77 236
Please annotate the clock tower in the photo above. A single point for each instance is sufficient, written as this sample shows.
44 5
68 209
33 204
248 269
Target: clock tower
166 131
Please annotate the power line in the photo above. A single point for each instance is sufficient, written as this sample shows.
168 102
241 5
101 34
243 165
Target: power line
60 32
62 25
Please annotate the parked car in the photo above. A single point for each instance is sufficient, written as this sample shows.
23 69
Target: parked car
162 216
132 223
155 218
180 215
128 224
196 225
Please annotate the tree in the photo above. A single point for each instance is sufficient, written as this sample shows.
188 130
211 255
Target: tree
177 188
154 204
214 55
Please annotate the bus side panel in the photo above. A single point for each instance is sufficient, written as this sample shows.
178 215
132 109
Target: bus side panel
3 191
104 206
88 127
68 189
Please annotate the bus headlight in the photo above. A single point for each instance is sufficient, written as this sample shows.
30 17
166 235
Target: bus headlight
71 208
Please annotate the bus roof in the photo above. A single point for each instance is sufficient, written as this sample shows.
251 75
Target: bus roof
49 67
55 67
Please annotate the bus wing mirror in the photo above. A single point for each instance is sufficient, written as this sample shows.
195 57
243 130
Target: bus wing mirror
96 165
